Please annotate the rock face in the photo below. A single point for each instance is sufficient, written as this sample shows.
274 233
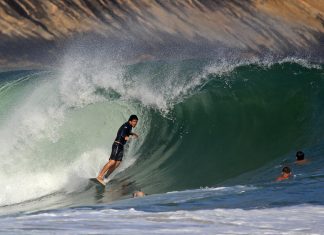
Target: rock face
31 30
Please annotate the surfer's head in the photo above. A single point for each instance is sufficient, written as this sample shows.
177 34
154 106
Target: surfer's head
300 156
133 119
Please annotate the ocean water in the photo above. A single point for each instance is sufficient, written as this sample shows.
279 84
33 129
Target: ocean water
214 135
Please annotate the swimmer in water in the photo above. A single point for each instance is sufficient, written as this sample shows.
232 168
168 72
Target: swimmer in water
285 174
139 194
300 158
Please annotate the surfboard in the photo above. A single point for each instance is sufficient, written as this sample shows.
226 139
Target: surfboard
94 180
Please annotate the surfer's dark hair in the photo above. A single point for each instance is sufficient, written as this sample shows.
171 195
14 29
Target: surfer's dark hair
286 169
132 117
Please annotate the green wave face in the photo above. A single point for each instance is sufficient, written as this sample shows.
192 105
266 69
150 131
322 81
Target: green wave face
200 123
232 124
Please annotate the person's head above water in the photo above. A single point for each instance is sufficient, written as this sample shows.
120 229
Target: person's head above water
300 156
286 170
285 174
139 193
133 119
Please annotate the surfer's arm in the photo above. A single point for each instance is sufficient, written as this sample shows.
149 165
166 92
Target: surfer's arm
124 134
134 134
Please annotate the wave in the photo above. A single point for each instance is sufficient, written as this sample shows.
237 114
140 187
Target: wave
232 123
202 122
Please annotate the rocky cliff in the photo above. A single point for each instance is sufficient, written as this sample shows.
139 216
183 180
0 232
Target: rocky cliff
34 32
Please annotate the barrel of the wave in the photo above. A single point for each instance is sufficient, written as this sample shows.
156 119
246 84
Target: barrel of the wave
236 122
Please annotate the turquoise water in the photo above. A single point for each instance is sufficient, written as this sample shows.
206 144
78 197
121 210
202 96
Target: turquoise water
214 135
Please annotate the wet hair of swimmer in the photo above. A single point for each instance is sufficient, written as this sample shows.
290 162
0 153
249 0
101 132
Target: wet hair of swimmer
300 156
286 169
132 117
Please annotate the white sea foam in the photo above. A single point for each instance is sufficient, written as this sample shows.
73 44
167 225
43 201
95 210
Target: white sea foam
59 128
302 219
226 66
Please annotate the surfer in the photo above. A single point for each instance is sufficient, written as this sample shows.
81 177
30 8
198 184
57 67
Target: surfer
285 174
117 150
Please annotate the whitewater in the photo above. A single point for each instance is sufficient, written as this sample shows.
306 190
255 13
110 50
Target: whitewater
214 135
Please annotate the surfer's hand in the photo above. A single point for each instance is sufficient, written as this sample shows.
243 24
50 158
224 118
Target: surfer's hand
136 135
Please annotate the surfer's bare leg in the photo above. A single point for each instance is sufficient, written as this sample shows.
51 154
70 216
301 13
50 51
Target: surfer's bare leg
106 167
111 170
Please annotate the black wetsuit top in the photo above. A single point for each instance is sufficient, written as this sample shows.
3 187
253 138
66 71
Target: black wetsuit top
123 131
